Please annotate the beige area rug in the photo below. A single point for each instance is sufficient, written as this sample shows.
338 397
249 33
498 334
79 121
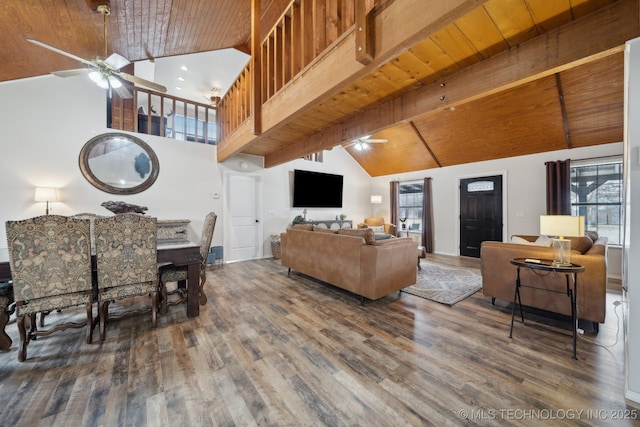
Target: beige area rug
445 284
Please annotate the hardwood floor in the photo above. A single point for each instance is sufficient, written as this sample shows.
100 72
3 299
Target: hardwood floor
273 350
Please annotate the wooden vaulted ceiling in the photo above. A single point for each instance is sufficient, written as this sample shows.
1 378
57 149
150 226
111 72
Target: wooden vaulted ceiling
446 77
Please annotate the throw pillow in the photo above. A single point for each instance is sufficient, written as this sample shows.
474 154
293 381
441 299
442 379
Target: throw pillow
382 236
378 229
593 235
367 233
543 241
519 240
581 244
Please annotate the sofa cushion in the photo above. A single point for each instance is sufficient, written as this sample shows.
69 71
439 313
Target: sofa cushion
581 244
366 233
324 230
543 241
308 227
520 241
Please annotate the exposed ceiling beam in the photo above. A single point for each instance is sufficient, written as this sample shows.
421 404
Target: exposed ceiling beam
403 25
563 108
592 37
426 145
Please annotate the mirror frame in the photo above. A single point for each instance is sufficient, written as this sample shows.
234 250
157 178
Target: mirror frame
83 161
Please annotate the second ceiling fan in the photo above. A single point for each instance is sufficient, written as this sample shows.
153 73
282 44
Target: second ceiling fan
104 72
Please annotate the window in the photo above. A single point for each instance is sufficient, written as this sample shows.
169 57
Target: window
596 194
411 204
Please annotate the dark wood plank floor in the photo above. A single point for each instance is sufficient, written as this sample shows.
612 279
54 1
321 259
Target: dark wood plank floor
274 350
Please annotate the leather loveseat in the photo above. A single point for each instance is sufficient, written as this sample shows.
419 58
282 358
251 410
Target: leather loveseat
351 259
499 275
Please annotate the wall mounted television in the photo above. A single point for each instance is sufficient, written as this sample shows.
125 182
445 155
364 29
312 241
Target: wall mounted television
316 189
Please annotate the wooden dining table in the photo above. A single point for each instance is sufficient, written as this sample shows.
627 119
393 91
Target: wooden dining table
180 254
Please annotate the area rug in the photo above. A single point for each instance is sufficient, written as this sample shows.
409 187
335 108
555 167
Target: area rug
445 284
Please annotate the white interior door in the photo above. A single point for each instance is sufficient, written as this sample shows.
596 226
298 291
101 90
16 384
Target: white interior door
243 201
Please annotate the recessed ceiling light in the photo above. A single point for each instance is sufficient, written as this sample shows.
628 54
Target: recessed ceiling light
178 87
184 68
181 79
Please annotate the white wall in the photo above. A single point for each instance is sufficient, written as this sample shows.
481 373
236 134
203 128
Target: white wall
631 271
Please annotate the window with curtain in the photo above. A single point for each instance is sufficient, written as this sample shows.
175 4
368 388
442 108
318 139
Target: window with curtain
410 203
596 194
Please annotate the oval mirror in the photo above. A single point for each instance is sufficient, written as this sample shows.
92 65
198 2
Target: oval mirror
118 163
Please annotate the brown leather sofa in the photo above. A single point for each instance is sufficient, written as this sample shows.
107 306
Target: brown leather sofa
351 259
499 276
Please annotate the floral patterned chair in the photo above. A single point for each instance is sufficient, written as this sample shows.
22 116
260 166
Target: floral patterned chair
126 262
50 259
7 308
171 273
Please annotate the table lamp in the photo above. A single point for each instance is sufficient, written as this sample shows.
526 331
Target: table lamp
561 226
375 200
46 194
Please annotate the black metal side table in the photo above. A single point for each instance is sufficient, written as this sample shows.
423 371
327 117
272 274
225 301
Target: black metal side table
546 265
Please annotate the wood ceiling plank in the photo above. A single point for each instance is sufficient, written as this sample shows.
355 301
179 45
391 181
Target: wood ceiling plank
594 98
402 153
417 69
435 58
512 19
584 7
549 14
481 32
457 46
496 127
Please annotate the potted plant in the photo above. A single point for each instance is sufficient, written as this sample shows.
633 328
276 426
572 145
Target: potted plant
342 217
298 219
403 220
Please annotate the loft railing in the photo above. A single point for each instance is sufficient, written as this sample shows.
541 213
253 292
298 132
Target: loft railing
304 31
155 113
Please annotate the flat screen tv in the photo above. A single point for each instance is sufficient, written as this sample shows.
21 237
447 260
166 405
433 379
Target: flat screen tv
316 189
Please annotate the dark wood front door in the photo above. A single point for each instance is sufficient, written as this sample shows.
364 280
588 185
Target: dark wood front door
480 213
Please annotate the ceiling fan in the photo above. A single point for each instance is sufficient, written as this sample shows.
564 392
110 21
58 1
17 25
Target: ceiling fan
362 143
214 96
104 72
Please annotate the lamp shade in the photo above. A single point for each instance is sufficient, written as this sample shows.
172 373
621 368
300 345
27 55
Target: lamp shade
562 225
376 199
46 194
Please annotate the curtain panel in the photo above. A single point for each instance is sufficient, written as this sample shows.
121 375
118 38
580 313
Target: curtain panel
427 216
559 187
394 202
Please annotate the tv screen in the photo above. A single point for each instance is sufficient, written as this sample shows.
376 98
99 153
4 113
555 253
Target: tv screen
316 190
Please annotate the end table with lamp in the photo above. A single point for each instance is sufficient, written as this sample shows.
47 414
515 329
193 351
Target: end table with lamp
543 267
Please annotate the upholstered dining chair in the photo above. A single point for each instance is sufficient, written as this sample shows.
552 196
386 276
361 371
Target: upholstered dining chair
126 263
170 273
50 259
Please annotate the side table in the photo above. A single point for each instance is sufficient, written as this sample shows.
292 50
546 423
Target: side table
546 266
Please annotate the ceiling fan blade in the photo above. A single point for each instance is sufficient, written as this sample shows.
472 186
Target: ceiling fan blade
116 61
141 81
71 73
62 52
122 91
